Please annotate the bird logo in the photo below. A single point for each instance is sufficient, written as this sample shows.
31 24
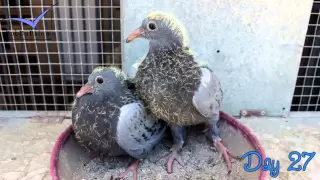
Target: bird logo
33 23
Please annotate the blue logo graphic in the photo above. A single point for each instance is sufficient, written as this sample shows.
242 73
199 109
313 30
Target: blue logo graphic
274 168
34 23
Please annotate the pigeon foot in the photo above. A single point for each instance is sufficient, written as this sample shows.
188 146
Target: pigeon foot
132 168
226 153
174 155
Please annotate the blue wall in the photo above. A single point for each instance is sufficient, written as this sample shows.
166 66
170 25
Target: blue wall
260 44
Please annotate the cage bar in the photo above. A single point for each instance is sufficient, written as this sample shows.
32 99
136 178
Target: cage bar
42 68
307 90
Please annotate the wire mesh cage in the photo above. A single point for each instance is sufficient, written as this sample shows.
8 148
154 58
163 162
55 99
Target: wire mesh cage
42 68
307 91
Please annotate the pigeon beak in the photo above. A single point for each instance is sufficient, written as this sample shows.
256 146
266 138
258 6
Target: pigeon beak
86 89
135 34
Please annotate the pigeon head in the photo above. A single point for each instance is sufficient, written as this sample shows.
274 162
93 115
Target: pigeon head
160 29
102 80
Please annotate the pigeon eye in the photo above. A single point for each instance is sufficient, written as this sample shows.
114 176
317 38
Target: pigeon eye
99 79
152 26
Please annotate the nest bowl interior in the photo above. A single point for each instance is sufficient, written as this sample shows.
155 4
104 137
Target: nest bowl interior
68 157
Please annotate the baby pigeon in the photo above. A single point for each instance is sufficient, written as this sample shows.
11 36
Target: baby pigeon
109 119
174 86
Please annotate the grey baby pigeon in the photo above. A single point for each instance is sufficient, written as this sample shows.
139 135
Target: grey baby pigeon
109 119
174 86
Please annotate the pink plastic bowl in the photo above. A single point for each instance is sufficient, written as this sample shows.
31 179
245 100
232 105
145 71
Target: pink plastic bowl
235 135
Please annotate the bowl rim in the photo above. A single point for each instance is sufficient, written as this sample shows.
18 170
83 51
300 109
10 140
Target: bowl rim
55 152
230 120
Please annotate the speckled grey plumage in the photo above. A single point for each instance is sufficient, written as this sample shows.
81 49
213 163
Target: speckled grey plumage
174 86
112 120
171 83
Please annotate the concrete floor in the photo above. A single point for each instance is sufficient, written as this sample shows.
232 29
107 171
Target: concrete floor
26 143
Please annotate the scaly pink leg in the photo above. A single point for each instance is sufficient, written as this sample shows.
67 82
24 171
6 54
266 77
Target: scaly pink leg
215 135
174 155
132 168
178 141
225 152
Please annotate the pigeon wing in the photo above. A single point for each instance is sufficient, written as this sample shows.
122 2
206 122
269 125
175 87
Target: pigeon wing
137 132
208 97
